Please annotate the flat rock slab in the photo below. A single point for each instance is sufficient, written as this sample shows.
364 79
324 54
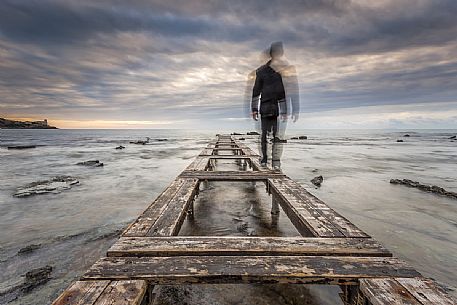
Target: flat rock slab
54 185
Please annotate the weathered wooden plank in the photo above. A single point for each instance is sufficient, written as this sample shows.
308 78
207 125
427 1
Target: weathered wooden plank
304 218
144 222
320 220
206 152
229 157
82 293
260 246
230 175
315 204
171 219
426 291
123 293
200 163
252 269
386 291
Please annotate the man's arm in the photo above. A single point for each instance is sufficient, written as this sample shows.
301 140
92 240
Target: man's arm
256 92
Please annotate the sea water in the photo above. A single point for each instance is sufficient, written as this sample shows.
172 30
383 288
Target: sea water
75 227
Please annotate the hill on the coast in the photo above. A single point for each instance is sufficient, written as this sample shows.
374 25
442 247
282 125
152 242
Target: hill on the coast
11 124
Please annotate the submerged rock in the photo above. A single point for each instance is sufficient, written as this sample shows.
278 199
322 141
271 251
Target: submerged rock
36 277
399 141
453 138
22 147
54 185
120 147
299 138
32 279
317 181
91 163
28 249
407 135
141 142
424 187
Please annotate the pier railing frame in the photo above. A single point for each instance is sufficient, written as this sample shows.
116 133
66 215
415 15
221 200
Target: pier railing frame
331 250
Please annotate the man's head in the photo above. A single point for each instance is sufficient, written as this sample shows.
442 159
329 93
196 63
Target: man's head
276 49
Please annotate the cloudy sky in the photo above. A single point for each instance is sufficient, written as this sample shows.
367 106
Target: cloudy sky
184 63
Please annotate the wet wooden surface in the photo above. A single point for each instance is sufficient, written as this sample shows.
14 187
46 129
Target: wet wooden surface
407 291
128 292
231 175
248 269
167 212
310 214
335 251
238 246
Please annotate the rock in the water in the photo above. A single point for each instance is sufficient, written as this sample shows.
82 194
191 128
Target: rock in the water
22 147
424 187
253 133
54 185
302 137
32 279
120 147
315 170
278 140
453 138
294 138
236 134
36 277
317 181
407 135
242 227
141 142
91 163
399 141
241 139
161 140
29 249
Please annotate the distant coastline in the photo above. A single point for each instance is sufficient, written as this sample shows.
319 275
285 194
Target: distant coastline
11 124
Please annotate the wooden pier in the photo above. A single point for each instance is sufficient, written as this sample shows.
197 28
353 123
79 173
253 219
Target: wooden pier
331 250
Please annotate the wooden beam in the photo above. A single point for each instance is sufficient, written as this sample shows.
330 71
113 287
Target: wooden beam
426 291
144 222
170 220
386 291
103 292
309 214
231 175
252 269
239 246
167 212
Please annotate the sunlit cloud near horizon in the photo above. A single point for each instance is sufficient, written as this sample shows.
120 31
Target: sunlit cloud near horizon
184 64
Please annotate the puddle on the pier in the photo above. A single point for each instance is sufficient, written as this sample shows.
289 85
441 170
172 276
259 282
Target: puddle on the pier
240 209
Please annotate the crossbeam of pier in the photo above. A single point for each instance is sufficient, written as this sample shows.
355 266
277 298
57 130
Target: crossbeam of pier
331 250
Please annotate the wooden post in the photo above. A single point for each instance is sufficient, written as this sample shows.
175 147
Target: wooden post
274 205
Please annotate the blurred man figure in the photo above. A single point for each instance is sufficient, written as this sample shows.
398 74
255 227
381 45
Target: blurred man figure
276 90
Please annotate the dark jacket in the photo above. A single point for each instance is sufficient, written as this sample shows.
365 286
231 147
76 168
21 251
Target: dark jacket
269 86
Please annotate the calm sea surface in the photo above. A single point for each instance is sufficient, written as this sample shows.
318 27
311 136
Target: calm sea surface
75 227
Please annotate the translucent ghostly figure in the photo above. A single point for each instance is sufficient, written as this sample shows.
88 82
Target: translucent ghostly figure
275 94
